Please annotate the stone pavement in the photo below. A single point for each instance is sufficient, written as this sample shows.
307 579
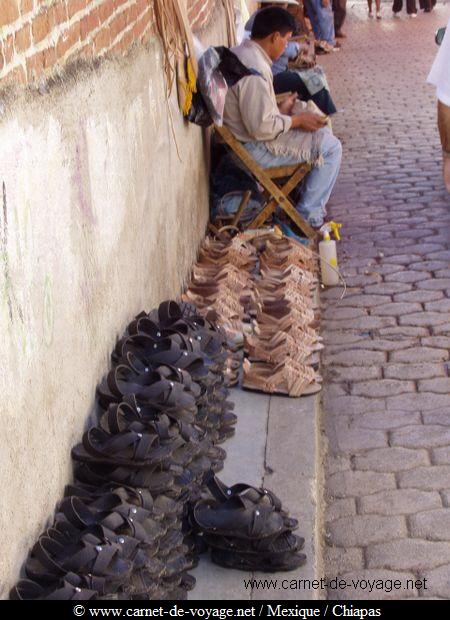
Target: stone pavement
386 404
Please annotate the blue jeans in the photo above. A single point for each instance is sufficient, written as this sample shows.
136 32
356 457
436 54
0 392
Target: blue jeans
318 183
322 20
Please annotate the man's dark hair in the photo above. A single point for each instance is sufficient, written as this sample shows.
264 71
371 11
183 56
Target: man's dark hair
270 20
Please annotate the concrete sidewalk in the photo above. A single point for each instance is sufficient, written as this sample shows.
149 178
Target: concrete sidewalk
274 446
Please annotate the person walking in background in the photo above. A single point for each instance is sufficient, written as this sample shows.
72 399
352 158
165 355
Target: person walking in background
339 11
439 76
378 8
411 7
427 5
320 14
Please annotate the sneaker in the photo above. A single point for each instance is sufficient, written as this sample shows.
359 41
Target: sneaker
413 14
370 14
378 14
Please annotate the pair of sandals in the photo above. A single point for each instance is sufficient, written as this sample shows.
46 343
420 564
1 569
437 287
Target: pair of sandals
183 325
71 587
277 349
224 299
290 378
63 549
278 275
288 251
281 316
247 528
167 386
208 275
237 251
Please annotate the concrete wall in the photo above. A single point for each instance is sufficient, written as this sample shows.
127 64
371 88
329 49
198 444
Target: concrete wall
99 219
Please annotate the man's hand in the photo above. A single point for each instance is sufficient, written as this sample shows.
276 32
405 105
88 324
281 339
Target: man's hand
308 121
288 104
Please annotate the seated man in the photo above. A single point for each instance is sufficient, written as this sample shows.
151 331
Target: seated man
281 136
307 83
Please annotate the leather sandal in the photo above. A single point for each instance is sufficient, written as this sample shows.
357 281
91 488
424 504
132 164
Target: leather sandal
113 498
260 350
279 545
152 478
51 559
288 378
258 495
286 272
138 523
65 590
264 563
127 448
237 517
160 352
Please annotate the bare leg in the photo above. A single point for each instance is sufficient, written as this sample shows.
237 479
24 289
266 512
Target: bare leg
378 5
444 132
369 2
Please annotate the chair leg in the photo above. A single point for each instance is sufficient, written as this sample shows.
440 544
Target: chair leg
286 205
240 211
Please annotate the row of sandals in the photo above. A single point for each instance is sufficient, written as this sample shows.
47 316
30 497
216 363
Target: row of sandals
261 290
282 350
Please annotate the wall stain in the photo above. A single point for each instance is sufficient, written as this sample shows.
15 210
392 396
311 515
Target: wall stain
7 287
80 178
48 314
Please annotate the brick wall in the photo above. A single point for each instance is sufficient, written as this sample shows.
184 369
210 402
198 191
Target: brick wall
40 37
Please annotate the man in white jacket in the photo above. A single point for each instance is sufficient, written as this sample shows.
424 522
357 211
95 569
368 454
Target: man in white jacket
440 77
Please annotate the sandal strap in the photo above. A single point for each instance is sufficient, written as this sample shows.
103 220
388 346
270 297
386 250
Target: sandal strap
76 512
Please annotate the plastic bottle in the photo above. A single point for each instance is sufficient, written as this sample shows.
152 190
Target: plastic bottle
328 255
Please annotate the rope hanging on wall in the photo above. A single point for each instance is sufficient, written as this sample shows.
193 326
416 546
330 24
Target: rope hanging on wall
178 47
231 21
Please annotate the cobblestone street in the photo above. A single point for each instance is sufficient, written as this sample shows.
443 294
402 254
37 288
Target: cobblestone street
386 404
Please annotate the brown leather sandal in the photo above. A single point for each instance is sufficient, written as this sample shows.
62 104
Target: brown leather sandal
288 378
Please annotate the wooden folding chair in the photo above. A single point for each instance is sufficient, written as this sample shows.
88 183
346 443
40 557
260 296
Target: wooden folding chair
269 179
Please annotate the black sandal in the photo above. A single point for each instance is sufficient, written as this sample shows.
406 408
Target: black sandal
238 517
264 563
259 495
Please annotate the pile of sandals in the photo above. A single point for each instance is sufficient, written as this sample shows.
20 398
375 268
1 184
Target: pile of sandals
123 530
246 528
221 286
282 350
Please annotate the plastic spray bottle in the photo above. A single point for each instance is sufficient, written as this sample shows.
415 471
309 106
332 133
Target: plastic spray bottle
328 254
